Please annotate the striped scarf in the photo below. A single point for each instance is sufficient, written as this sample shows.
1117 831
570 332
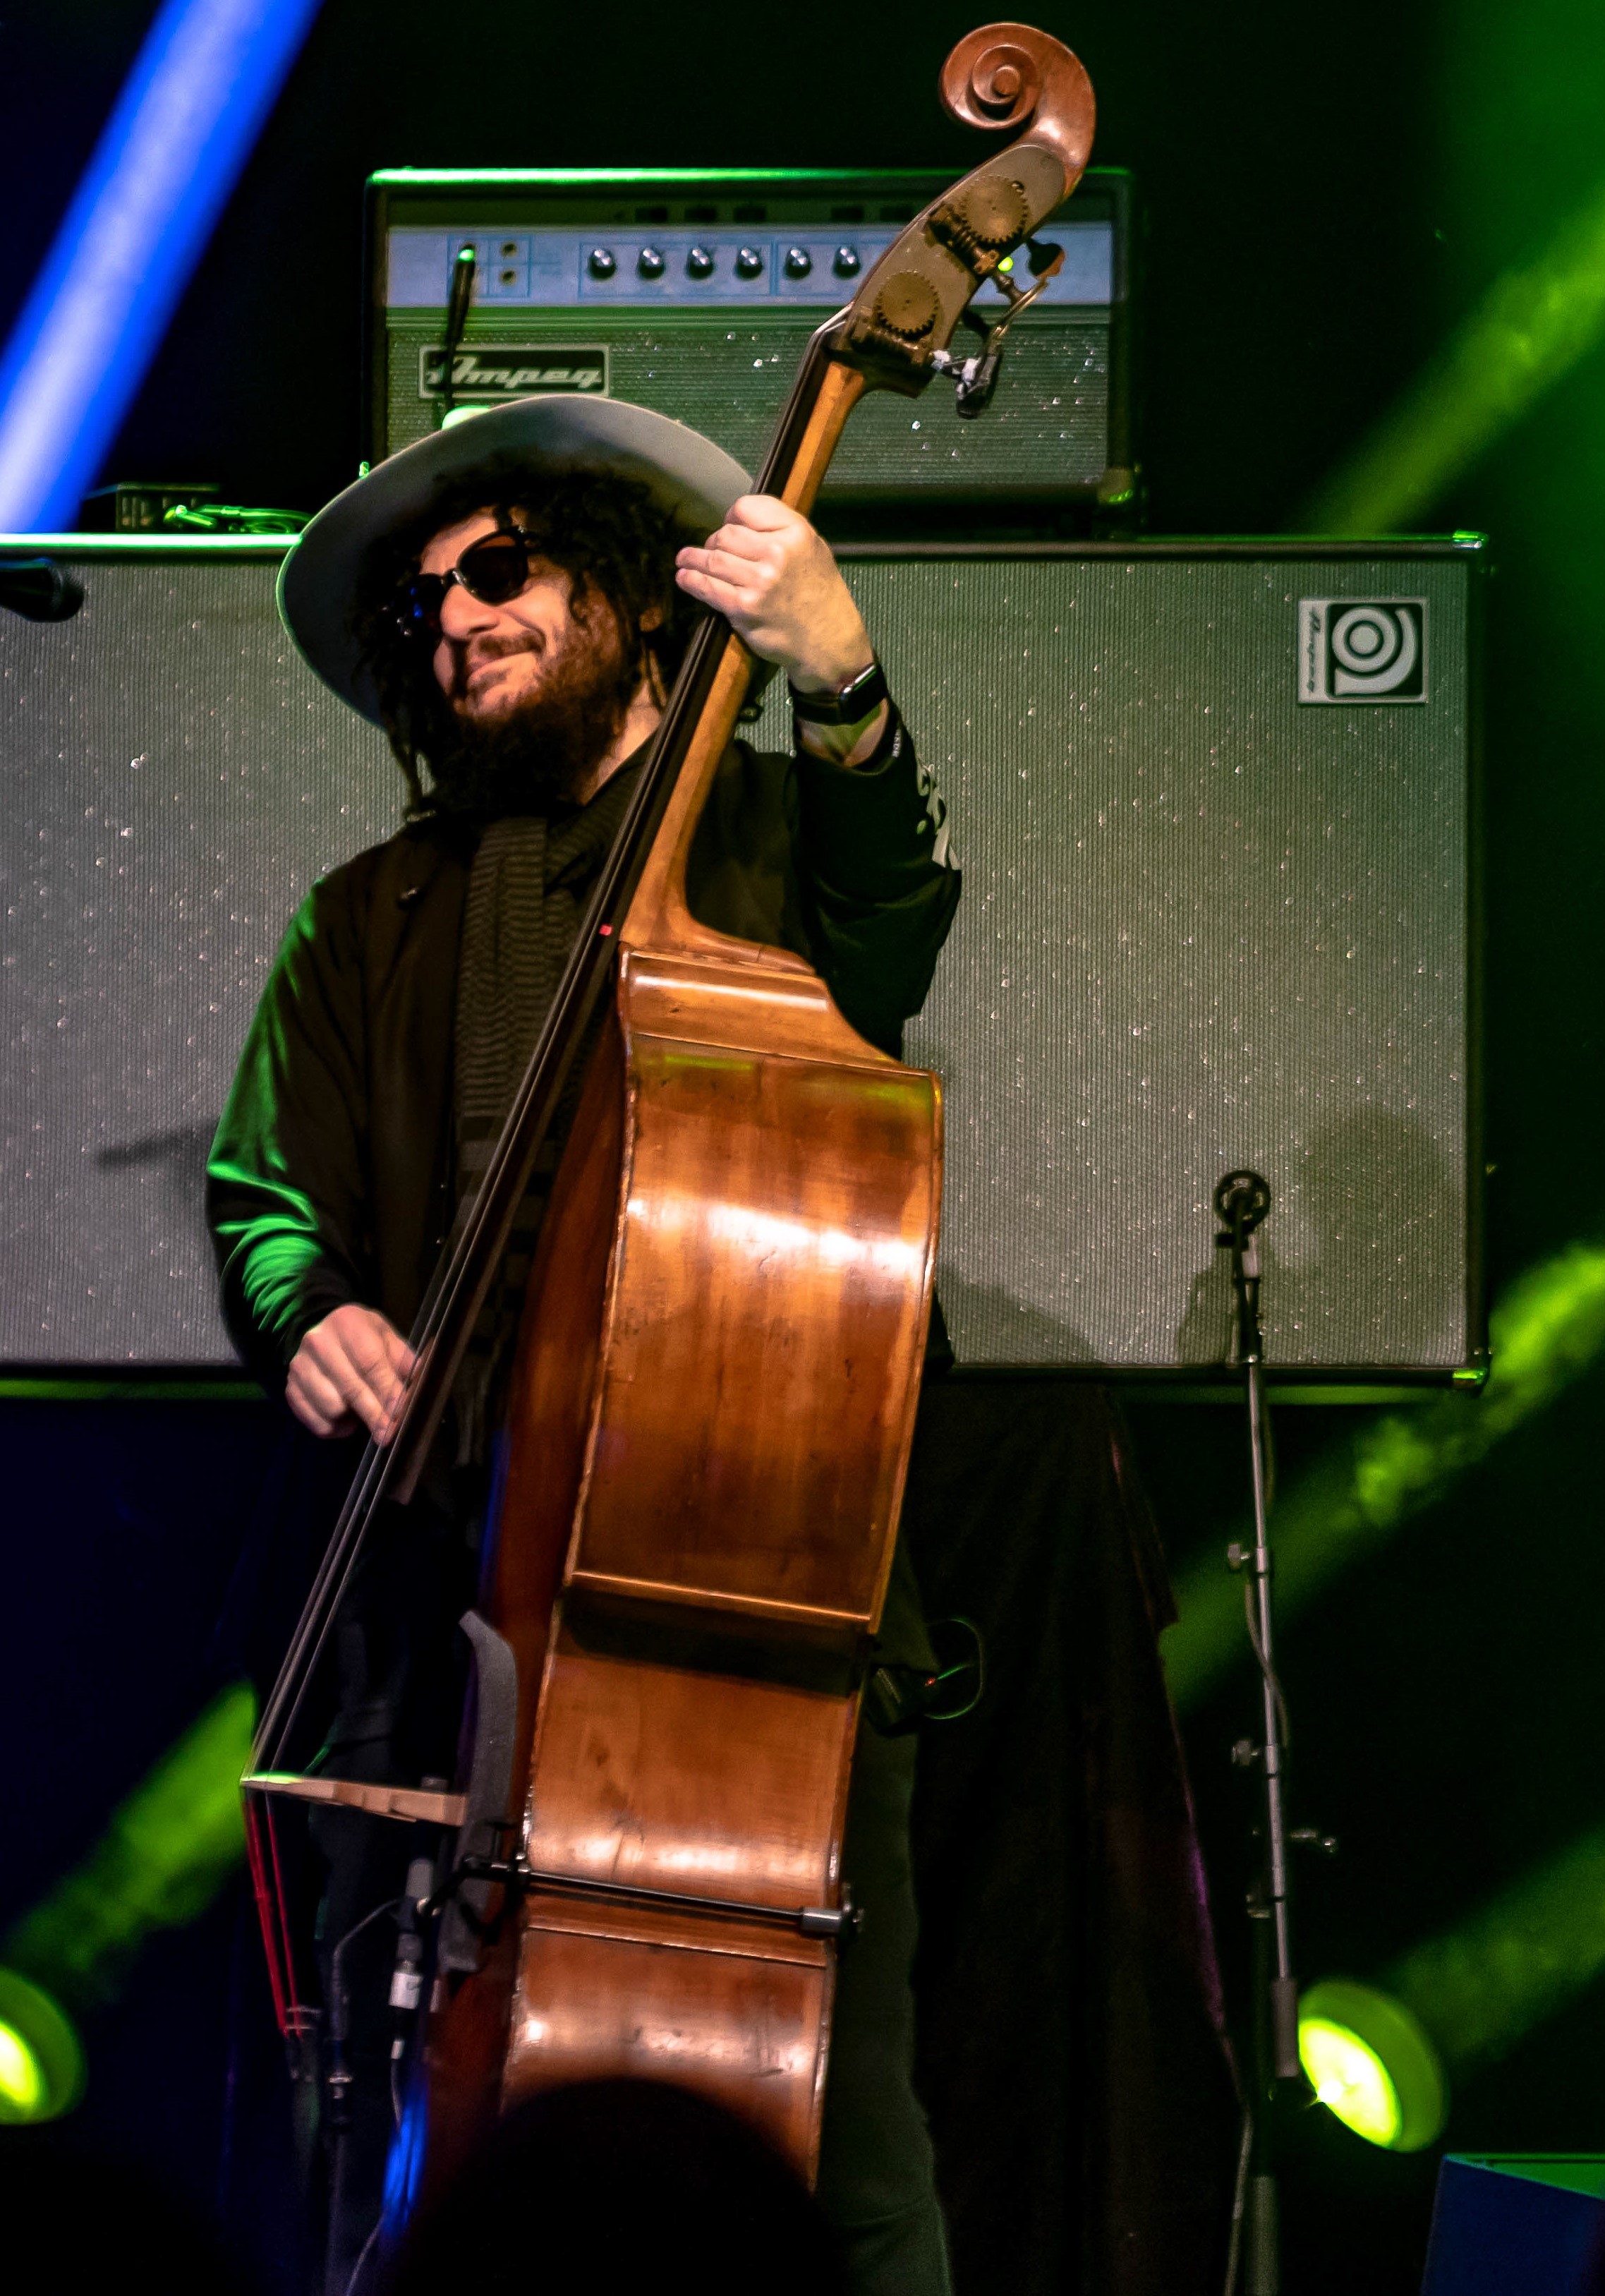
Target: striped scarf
530 880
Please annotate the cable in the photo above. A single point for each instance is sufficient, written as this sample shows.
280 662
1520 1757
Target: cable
367 2250
1240 2202
338 2080
1273 1681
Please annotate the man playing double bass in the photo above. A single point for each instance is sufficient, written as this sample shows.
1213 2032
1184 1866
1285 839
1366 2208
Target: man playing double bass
511 599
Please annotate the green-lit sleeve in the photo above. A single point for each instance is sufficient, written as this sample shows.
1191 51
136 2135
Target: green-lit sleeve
880 879
285 1196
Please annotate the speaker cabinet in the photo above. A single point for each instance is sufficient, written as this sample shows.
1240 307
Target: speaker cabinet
1517 2224
1215 805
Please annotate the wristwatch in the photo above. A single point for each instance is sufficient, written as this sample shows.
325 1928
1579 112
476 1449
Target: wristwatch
849 705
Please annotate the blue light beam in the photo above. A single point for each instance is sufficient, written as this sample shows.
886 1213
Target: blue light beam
183 128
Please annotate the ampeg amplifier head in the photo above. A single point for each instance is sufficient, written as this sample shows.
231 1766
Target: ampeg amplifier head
694 293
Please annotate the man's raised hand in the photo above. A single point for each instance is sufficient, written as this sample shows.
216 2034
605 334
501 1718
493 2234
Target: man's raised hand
775 582
349 1371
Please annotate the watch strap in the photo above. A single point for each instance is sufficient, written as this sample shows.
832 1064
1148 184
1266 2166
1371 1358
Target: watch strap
849 705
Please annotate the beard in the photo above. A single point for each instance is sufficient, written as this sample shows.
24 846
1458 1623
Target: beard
534 756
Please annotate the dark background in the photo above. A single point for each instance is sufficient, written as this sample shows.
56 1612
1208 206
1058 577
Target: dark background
1326 194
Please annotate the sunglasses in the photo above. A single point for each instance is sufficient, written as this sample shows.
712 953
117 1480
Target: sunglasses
493 570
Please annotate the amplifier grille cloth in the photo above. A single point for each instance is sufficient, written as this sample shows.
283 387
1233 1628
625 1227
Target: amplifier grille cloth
1201 926
1047 427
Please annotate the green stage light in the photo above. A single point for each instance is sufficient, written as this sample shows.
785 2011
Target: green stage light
1371 2065
41 2061
22 2082
1531 328
1546 1330
1350 2079
168 1850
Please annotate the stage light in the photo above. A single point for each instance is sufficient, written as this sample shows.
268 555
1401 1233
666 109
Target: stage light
1371 2064
1350 2079
182 129
168 1850
1530 329
22 2082
1546 1330
41 2061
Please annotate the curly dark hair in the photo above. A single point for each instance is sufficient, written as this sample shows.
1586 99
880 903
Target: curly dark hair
616 543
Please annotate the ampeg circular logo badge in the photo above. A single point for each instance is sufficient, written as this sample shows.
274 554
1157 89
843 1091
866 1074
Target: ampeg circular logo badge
1362 650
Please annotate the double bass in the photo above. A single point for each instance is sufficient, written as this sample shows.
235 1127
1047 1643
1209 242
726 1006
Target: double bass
713 1396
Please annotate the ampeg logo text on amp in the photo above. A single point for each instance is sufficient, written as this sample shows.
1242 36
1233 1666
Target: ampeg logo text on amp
1362 650
484 373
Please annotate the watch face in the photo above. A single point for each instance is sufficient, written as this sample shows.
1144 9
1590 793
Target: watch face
848 703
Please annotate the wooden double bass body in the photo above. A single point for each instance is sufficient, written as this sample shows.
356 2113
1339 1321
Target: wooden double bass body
712 1413
714 1395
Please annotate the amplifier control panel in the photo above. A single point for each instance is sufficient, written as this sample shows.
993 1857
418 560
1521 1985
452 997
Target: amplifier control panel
641 267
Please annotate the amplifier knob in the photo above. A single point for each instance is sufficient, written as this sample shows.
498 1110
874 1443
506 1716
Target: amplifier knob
650 264
699 263
601 263
749 263
799 263
847 264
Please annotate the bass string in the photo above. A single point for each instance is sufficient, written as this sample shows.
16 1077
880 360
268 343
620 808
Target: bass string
464 1270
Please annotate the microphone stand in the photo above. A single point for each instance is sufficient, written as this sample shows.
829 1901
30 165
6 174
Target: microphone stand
1243 1200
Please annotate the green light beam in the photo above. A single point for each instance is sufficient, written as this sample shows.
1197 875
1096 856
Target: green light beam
1547 1330
1531 327
1513 1962
168 1850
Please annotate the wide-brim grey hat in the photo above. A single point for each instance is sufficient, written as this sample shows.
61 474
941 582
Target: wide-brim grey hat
320 580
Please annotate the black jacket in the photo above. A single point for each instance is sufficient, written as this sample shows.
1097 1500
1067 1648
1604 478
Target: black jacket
331 1179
